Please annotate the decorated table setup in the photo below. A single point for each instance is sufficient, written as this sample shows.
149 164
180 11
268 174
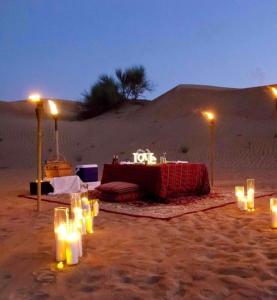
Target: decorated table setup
161 180
143 187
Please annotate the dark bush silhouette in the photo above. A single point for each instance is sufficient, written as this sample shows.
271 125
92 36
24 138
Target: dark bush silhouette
133 82
103 96
108 93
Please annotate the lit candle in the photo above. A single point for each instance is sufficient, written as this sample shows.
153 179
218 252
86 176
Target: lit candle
89 222
79 219
243 203
61 216
239 191
95 207
72 248
60 236
250 193
88 218
273 212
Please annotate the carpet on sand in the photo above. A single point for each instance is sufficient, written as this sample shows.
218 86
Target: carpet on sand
156 210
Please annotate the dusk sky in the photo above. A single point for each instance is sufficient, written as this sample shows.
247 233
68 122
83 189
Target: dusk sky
59 47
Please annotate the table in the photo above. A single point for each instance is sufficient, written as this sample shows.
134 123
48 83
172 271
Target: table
162 180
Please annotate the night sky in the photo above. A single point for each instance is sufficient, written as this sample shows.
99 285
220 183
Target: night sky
59 47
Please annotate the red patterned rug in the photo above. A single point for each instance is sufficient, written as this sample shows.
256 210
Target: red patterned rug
147 208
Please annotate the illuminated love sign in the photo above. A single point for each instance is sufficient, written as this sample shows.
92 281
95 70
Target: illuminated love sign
144 156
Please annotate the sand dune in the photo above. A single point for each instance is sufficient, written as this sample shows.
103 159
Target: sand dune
246 121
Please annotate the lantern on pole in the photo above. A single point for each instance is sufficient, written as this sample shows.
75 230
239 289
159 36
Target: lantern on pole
54 112
210 117
35 98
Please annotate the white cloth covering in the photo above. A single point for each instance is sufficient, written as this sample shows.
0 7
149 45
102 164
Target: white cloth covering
70 184
66 184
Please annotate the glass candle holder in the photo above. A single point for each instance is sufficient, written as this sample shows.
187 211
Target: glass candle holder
61 219
72 244
239 192
250 184
84 190
94 206
273 212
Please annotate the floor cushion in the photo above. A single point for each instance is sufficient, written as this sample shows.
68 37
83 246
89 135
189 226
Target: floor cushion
123 197
118 187
118 191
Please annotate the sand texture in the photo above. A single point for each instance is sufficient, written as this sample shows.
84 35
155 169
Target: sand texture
219 254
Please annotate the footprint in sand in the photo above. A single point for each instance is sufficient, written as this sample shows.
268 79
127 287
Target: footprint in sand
45 276
271 255
153 279
39 295
87 288
237 271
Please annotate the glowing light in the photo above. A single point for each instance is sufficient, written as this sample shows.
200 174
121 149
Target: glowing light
208 115
274 91
34 98
273 212
60 265
53 107
142 156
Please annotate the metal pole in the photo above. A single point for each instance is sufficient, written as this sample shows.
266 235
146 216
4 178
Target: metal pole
39 154
212 150
57 138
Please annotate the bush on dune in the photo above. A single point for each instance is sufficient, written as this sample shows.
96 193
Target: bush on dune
108 93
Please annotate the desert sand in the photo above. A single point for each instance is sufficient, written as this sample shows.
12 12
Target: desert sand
219 254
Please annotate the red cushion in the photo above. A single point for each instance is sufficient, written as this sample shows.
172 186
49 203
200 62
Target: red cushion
118 187
123 197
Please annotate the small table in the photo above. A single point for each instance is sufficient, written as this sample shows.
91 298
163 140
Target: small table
162 180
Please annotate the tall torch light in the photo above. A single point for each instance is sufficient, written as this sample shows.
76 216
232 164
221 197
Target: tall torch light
210 117
39 110
55 112
274 93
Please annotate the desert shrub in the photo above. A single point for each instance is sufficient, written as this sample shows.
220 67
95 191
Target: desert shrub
103 96
184 149
108 92
133 82
1 139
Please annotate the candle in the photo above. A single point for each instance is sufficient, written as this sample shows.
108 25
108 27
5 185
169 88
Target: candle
250 199
95 207
72 248
60 237
88 217
80 245
239 191
243 203
61 217
89 223
250 193
79 219
273 212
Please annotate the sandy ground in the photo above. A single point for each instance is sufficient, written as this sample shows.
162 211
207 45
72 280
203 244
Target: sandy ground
219 254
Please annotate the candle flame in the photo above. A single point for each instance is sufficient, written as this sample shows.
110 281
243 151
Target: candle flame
61 230
53 107
274 91
208 115
34 98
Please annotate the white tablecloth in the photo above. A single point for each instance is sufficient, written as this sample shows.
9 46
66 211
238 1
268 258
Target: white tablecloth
66 184
70 184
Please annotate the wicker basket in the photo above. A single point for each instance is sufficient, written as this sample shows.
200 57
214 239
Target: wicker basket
57 168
